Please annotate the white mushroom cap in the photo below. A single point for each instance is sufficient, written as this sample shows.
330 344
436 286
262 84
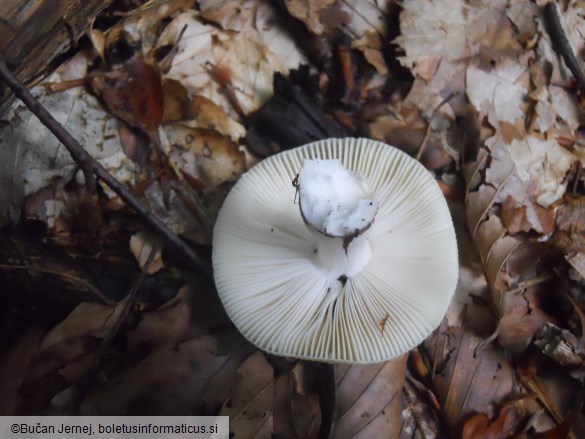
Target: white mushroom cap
263 259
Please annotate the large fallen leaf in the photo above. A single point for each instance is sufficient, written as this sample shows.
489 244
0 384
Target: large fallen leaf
170 381
13 368
369 399
234 70
251 400
31 157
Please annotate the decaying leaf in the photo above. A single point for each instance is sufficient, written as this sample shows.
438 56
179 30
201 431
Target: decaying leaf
139 29
233 71
214 158
507 423
30 155
134 93
168 381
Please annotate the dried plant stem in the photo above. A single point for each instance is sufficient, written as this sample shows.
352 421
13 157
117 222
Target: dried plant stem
91 166
130 300
327 400
561 43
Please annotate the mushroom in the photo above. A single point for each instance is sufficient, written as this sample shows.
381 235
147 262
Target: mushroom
360 269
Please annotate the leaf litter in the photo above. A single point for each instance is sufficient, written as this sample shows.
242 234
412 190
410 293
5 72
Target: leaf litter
482 98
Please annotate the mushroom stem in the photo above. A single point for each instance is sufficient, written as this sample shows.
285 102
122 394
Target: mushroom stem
340 258
338 208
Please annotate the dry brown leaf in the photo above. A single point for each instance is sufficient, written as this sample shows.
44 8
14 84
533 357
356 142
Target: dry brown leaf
309 12
87 319
466 378
420 417
210 116
508 422
370 45
14 364
296 413
168 381
133 93
206 154
502 89
251 400
66 352
177 103
246 59
369 399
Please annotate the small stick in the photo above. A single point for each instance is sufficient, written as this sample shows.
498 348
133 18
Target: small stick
423 142
561 43
327 400
91 166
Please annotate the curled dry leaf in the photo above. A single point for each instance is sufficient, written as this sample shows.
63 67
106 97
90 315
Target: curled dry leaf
466 378
142 244
516 176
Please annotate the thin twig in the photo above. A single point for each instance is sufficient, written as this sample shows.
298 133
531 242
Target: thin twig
423 142
561 43
130 299
90 165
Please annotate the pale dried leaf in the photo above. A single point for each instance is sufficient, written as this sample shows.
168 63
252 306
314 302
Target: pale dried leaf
31 157
543 163
503 88
577 261
210 59
207 154
309 12
142 244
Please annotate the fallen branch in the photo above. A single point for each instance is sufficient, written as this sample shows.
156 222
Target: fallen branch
91 166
